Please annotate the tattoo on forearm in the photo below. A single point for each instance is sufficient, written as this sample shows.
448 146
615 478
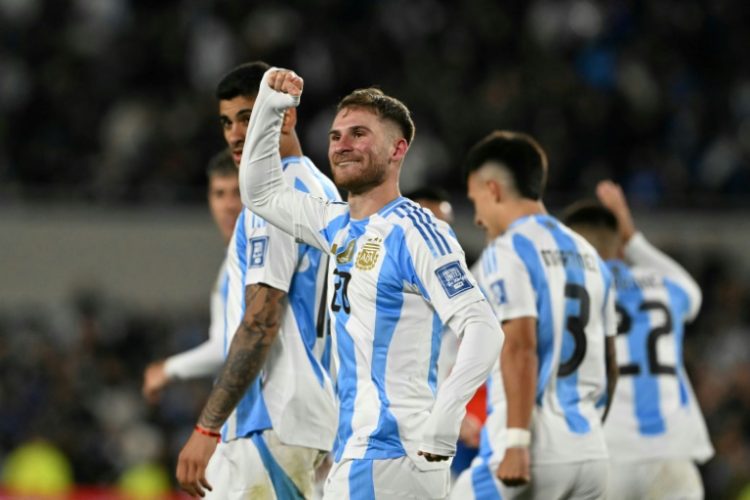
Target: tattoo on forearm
250 346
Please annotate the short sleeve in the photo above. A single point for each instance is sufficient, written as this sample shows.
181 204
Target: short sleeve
436 264
270 256
507 282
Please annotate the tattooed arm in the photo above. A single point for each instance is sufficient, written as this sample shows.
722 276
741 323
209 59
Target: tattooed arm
247 353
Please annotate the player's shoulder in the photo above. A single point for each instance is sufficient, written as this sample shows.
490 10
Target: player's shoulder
522 237
589 255
497 255
648 277
583 245
420 227
302 174
247 222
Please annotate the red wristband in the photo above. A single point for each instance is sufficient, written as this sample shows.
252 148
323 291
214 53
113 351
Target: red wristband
207 432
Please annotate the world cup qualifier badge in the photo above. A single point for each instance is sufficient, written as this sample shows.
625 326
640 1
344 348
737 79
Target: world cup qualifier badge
453 278
368 254
258 248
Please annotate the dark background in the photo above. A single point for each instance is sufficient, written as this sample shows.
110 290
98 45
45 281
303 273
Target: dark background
108 105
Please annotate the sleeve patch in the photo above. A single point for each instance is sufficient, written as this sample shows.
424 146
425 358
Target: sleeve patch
453 278
258 248
498 289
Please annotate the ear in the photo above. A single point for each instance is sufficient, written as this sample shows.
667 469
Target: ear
400 147
290 120
496 189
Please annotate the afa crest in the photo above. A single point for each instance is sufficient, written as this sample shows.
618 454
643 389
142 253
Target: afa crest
369 254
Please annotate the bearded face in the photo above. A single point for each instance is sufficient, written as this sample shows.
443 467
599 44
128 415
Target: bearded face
358 150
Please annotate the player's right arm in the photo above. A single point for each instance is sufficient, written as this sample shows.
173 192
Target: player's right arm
509 290
261 181
436 266
519 364
256 333
640 252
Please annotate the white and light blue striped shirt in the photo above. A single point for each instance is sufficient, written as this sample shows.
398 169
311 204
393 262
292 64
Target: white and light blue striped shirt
654 413
539 268
397 277
293 395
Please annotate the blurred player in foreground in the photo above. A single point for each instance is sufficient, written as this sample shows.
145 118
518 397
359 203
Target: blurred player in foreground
206 359
272 406
655 432
397 276
555 300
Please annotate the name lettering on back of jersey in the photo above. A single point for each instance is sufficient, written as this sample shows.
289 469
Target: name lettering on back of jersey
626 282
498 289
567 258
368 255
453 278
258 250
346 255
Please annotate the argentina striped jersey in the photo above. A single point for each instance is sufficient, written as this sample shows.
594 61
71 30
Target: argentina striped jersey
539 268
395 279
654 414
293 394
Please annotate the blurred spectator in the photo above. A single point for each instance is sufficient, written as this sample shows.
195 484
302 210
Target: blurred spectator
82 395
37 468
110 100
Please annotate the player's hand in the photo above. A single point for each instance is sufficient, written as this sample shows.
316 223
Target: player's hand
154 380
471 427
192 462
283 90
515 469
432 457
612 197
286 81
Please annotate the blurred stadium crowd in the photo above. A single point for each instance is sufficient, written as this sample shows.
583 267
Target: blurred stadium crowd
111 102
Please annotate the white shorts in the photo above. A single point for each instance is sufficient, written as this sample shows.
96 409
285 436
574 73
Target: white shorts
581 480
261 467
477 482
658 479
395 478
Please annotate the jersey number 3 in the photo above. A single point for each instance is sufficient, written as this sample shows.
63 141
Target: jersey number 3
576 325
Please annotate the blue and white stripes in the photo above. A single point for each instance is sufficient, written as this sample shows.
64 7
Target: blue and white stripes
425 224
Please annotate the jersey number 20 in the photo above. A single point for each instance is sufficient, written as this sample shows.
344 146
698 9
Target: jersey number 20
341 292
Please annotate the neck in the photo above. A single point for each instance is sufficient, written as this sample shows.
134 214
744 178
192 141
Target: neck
365 204
522 208
289 145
